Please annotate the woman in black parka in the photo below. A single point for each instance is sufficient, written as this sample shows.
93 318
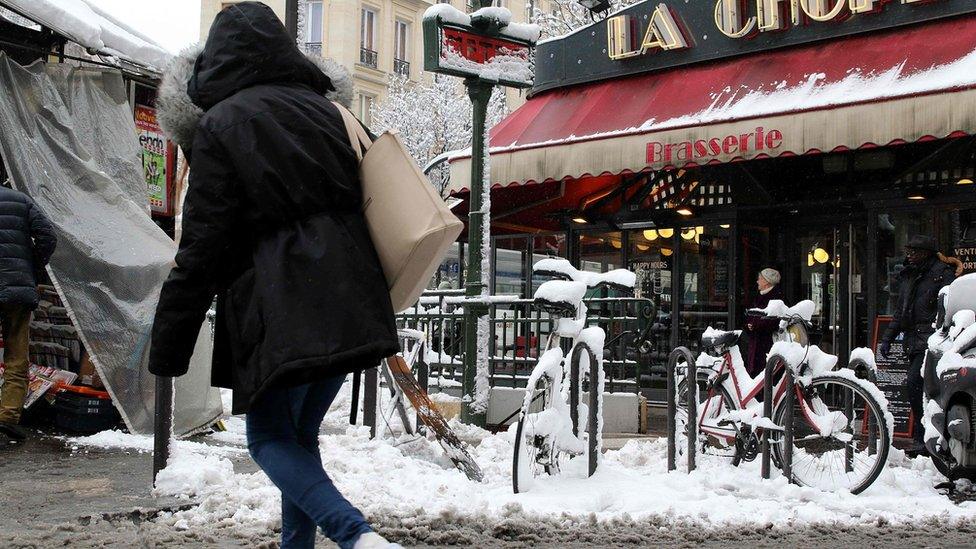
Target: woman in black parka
272 226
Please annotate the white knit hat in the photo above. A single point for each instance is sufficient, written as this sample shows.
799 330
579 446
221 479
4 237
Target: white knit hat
771 275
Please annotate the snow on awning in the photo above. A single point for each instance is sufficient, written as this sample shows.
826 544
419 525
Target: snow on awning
906 85
93 28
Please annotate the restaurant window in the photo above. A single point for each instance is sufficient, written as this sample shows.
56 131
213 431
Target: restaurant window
894 230
510 270
600 252
544 246
652 260
704 283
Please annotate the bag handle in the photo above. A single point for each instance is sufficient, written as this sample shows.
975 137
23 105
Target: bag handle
358 138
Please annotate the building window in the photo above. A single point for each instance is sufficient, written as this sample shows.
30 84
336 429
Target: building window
367 39
401 40
313 27
365 108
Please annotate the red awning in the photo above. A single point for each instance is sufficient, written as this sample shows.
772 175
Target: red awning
903 85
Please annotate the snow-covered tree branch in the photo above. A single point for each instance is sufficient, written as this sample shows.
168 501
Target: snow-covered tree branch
565 16
432 118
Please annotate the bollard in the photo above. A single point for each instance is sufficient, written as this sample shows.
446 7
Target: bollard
162 424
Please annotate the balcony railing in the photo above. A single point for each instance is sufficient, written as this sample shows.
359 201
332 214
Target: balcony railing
367 57
401 67
314 47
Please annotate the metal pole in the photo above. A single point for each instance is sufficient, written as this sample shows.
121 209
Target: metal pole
357 381
480 93
162 423
768 410
788 398
371 381
672 412
692 381
291 18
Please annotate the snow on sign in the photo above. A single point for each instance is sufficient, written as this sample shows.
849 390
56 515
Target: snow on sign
484 45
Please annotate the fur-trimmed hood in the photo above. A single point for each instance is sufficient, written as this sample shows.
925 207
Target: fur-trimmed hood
178 115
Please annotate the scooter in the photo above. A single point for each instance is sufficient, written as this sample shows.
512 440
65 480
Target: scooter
949 374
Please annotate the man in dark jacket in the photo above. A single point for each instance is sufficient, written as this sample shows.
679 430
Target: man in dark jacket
915 310
761 330
27 241
272 225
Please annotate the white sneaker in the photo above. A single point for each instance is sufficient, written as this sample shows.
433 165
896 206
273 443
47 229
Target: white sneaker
372 540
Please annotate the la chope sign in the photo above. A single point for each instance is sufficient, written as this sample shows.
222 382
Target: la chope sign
653 35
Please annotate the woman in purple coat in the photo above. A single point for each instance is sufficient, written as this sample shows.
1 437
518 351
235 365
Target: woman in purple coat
761 330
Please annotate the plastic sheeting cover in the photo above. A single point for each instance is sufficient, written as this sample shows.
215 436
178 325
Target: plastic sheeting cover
68 140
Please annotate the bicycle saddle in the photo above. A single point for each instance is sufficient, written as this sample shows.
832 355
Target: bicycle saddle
560 269
560 297
716 342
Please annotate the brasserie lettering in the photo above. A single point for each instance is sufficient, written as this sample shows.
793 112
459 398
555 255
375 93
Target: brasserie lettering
741 143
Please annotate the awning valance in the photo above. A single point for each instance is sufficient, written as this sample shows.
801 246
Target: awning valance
906 85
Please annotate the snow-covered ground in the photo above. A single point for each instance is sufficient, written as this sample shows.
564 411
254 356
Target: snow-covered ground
408 479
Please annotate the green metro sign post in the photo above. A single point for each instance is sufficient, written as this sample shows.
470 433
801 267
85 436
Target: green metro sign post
483 49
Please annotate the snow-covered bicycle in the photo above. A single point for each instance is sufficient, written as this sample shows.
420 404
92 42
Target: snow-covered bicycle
841 427
548 432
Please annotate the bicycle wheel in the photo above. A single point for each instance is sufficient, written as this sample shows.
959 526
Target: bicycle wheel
534 454
581 367
720 403
840 434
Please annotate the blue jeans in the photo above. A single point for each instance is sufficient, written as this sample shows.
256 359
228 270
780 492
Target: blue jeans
283 438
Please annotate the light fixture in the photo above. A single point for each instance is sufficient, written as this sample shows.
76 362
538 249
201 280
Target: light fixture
699 229
643 247
725 226
964 181
616 244
684 211
821 255
580 220
666 252
810 261
689 234
916 197
650 234
666 233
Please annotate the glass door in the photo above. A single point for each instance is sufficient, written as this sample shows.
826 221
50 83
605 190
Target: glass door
816 274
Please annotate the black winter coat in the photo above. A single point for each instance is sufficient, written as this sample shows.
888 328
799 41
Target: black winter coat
918 300
272 224
27 241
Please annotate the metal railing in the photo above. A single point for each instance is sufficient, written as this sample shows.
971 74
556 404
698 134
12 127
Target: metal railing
367 57
518 335
401 67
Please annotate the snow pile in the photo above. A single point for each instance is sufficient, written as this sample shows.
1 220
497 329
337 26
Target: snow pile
508 65
94 29
410 478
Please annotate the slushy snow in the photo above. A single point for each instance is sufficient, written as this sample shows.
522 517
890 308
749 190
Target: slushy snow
401 477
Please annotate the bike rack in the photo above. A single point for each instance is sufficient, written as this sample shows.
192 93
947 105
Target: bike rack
788 382
574 398
682 353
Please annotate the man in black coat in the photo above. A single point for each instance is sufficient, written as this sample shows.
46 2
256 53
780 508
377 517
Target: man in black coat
273 226
915 311
27 241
